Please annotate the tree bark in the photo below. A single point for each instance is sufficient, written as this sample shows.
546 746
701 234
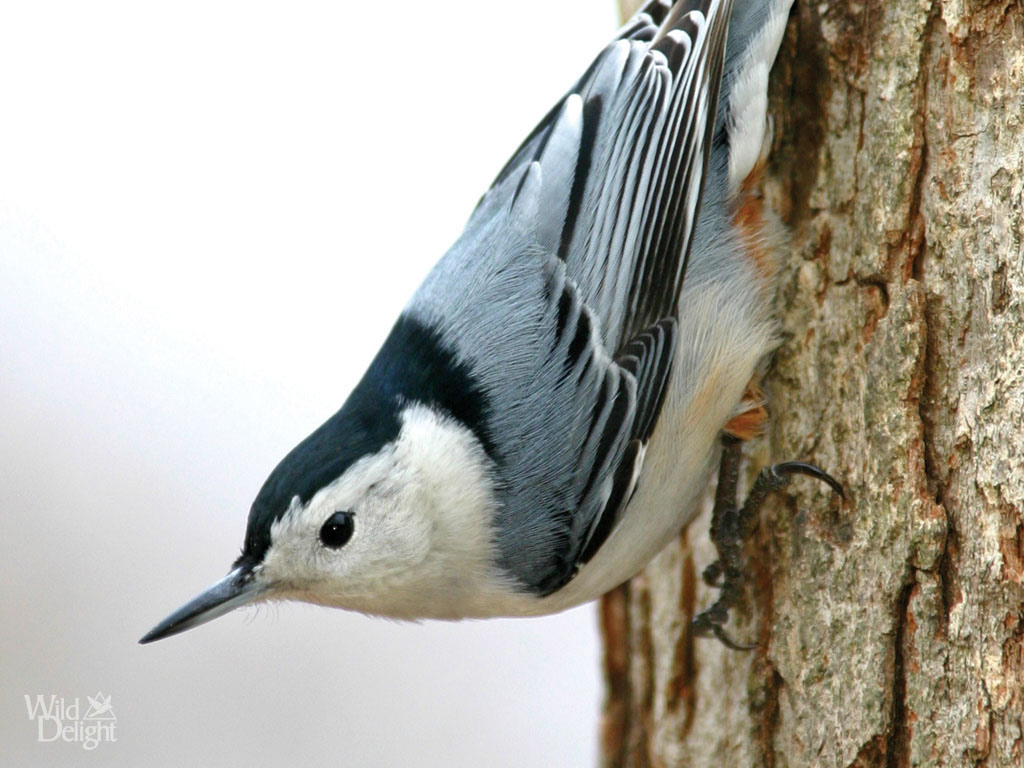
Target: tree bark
890 629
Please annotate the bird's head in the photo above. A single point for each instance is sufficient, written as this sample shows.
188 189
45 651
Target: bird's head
385 509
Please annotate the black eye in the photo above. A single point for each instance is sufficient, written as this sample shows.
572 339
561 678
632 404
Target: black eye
338 530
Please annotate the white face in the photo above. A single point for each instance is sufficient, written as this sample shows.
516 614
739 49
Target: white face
421 544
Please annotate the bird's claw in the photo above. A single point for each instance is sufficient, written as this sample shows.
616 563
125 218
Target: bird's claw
730 526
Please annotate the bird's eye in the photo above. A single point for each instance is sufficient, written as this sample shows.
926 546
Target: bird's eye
338 529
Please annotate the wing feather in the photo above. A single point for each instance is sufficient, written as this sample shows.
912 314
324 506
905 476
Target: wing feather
621 398
622 158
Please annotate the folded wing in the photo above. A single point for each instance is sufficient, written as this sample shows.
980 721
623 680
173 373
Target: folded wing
610 180
563 290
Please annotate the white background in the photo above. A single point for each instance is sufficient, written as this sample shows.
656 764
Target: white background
210 215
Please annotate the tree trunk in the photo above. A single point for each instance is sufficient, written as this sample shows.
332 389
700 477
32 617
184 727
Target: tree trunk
890 629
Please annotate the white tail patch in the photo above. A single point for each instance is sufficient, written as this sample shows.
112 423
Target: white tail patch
748 99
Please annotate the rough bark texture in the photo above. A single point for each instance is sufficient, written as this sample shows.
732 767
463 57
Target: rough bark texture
890 628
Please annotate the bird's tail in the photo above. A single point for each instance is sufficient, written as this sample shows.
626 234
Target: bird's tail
755 34
756 28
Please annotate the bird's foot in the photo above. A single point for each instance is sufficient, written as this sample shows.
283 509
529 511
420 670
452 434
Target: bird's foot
730 527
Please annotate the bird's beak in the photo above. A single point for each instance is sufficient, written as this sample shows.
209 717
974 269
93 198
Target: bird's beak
236 589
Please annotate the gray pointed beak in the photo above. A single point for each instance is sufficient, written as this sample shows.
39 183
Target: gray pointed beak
236 589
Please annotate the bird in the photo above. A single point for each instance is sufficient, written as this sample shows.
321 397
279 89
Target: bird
550 405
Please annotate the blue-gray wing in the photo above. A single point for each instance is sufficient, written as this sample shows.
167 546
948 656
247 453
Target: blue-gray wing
561 293
577 437
610 180
643 26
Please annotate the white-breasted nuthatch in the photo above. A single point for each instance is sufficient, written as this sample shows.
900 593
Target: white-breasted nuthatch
548 408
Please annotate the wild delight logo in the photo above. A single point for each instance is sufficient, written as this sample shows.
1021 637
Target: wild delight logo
60 719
